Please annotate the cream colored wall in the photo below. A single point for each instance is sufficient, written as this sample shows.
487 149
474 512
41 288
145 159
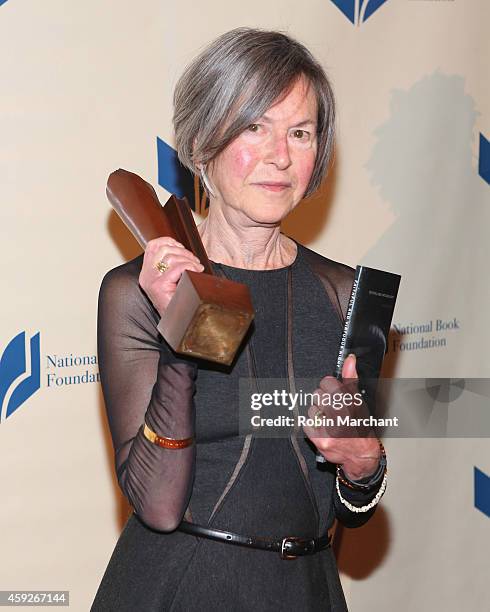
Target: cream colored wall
86 88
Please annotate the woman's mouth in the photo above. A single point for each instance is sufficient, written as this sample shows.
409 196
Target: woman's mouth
274 186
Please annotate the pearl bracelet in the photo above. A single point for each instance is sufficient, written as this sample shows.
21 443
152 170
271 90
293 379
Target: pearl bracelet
371 504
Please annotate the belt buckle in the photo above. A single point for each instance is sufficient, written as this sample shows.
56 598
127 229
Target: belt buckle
284 555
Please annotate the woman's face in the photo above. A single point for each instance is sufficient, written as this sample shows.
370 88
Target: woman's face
264 172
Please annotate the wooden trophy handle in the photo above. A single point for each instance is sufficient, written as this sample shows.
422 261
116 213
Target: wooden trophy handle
207 316
137 203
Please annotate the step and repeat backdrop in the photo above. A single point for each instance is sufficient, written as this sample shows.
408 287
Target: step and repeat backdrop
86 88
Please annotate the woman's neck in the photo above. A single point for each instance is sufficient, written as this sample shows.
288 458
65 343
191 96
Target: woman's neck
254 247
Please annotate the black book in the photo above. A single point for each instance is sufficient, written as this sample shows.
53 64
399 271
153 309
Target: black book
366 329
368 321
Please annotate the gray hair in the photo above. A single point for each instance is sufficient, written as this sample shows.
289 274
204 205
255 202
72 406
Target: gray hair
233 82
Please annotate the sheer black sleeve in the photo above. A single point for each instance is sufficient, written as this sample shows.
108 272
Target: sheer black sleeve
144 381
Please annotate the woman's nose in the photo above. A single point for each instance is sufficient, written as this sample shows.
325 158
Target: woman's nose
277 151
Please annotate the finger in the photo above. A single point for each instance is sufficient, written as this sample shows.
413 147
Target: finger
329 384
314 410
166 251
349 367
319 438
157 243
173 274
176 256
317 422
170 256
316 397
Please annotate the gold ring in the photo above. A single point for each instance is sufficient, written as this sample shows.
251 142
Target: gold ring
162 266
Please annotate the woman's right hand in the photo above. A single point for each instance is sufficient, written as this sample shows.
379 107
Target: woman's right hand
160 286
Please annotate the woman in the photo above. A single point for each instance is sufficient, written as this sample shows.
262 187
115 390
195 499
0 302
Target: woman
254 116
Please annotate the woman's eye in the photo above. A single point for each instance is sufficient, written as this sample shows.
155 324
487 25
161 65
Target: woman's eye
301 134
253 127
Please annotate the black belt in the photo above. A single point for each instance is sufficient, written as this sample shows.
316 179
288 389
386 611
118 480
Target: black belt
289 547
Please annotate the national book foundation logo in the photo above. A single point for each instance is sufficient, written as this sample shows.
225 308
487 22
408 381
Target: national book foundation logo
20 367
357 11
21 371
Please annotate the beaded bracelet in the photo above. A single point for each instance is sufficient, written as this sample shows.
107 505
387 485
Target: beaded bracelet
164 442
367 507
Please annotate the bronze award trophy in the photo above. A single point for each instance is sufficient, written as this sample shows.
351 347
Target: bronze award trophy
208 315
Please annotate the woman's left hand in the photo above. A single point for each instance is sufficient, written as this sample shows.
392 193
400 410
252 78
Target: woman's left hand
359 454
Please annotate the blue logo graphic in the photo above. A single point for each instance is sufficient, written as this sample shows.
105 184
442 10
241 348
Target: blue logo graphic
484 159
19 373
482 491
2 2
358 11
172 175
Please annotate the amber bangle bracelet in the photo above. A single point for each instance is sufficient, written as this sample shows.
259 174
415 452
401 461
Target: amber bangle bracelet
164 442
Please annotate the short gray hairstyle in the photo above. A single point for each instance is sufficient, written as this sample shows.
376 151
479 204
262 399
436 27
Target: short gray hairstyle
233 82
